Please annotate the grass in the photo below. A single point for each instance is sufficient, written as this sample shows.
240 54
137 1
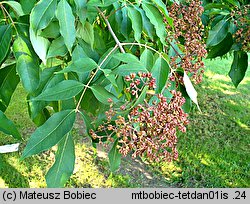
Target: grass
213 153
215 150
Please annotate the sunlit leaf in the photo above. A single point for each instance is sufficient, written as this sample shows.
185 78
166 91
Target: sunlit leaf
17 8
190 89
67 23
42 14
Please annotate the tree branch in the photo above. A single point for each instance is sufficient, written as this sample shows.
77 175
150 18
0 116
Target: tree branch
111 30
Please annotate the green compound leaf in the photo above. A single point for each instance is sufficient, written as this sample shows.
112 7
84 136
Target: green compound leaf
61 91
8 127
50 133
64 164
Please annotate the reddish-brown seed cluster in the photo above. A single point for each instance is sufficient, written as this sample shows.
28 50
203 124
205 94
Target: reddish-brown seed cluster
138 81
149 128
188 31
241 18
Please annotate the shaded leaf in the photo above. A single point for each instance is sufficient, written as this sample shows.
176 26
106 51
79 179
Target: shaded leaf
78 53
28 72
110 62
64 164
8 127
114 157
67 23
5 40
27 5
86 32
92 107
163 8
147 25
57 48
50 133
26 67
8 82
51 31
61 91
81 9
102 94
87 122
111 77
222 48
126 25
238 67
100 3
